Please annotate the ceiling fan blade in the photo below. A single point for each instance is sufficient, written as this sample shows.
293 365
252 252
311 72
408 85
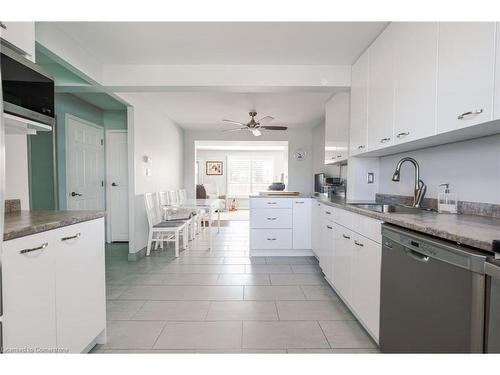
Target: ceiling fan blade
234 130
234 122
274 127
265 119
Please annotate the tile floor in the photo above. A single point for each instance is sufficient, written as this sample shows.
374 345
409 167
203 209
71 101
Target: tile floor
223 301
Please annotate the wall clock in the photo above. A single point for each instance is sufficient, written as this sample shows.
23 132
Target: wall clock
299 154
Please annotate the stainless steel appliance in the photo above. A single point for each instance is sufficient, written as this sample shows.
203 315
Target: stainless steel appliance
319 183
492 270
432 295
28 91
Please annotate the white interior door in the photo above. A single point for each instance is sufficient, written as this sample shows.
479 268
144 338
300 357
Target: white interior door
84 165
117 179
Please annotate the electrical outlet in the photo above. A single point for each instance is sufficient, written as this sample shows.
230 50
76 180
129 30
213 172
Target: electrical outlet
370 177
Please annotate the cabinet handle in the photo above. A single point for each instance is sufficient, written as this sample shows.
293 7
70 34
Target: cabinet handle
41 247
383 140
271 202
271 218
343 235
470 113
358 243
388 244
299 202
361 147
328 212
329 227
404 134
3 26
271 239
71 237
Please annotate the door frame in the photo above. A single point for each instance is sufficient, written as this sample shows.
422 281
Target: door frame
67 117
107 178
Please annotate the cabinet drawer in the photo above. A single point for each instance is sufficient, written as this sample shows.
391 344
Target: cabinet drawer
271 218
271 238
271 203
328 212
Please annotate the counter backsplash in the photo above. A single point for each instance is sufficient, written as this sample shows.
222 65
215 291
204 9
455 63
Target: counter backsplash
466 208
12 205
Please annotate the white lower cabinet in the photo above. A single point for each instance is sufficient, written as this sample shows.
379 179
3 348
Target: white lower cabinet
342 257
301 223
54 289
315 226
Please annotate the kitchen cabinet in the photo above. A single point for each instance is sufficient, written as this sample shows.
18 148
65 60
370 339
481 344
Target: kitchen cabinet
315 226
301 223
415 76
358 105
496 104
80 284
326 254
337 128
21 35
381 91
342 255
465 74
54 289
28 287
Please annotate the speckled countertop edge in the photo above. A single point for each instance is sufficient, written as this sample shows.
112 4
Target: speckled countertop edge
435 224
25 223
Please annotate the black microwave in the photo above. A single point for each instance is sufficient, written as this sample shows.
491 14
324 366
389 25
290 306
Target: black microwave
28 91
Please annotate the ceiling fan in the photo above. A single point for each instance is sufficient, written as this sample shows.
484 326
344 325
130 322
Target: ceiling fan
255 126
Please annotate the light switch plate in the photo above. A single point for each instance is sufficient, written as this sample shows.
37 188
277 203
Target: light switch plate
370 177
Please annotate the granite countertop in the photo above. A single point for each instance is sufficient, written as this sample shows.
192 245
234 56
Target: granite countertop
279 196
471 230
24 223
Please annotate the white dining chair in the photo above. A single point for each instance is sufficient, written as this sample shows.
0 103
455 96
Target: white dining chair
163 231
164 200
174 197
182 195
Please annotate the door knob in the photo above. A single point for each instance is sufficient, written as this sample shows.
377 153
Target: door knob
114 184
73 194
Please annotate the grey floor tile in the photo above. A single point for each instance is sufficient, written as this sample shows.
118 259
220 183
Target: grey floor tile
183 292
200 335
272 293
203 268
288 260
113 292
283 335
346 335
132 335
245 260
122 310
310 351
319 292
312 310
268 268
356 351
189 279
198 260
172 310
243 279
242 310
297 279
305 268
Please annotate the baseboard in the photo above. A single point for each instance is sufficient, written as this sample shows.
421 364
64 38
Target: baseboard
133 257
281 253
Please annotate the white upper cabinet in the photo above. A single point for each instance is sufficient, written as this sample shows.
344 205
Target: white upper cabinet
381 91
465 74
21 35
496 104
415 75
359 97
337 128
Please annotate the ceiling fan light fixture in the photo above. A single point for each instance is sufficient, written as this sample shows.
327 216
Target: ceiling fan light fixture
256 132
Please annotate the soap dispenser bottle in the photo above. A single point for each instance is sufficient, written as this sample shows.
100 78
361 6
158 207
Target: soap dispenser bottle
447 202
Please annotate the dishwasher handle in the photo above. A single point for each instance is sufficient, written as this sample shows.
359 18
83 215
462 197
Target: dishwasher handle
416 255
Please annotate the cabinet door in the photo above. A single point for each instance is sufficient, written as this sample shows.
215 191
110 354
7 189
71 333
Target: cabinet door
496 104
341 262
465 74
381 91
29 316
337 128
80 284
315 226
365 279
21 35
271 218
415 77
326 259
302 223
359 97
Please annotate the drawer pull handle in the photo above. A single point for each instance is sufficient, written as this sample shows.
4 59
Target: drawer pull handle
271 202
358 243
383 140
41 247
361 147
470 113
299 202
271 239
271 218
404 134
329 227
388 244
343 235
71 237
328 212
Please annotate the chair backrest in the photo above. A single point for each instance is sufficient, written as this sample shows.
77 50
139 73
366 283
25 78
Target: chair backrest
173 196
182 195
163 198
152 208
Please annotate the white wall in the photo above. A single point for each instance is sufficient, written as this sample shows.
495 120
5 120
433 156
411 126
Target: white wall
300 175
153 134
16 169
472 168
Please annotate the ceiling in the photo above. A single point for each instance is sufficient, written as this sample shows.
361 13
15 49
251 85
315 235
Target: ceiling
242 145
195 110
248 43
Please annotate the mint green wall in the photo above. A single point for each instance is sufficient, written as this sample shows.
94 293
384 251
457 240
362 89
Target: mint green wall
115 119
41 171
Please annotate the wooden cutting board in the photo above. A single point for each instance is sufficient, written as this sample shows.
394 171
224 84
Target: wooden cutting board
284 193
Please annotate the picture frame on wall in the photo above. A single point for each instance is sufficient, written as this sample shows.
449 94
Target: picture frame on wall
214 168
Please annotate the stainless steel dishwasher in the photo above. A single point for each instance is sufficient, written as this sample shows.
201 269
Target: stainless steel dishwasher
492 339
432 295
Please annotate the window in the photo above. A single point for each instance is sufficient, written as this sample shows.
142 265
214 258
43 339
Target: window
249 176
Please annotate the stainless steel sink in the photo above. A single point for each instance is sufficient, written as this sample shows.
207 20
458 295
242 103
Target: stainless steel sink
388 208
